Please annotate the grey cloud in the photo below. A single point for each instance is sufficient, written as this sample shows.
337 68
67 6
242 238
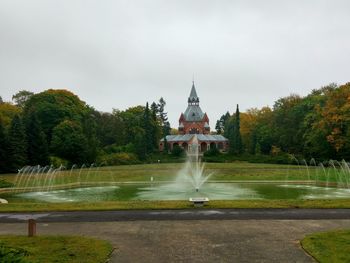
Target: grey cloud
116 54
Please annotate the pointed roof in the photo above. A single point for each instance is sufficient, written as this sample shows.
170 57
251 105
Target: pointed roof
193 98
193 94
193 111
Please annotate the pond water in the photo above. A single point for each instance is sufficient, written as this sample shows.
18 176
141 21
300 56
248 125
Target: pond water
214 191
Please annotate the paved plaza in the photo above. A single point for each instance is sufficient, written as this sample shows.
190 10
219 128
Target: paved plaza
195 240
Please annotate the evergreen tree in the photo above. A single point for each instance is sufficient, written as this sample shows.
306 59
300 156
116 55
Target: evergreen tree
37 144
237 133
229 134
232 132
89 130
148 127
218 127
1 100
164 122
17 145
220 124
155 125
140 144
3 148
163 117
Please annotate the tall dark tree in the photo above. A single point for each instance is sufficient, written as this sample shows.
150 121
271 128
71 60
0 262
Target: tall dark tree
3 148
149 129
164 122
17 145
140 144
155 124
37 144
234 133
237 132
89 130
220 124
1 101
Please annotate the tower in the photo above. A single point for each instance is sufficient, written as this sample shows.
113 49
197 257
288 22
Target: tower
194 121
194 130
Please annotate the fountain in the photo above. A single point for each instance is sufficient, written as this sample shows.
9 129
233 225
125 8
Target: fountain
88 183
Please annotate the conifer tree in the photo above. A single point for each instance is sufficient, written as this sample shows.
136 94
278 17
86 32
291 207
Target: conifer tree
164 122
229 134
155 125
237 133
17 145
37 144
232 132
3 148
148 127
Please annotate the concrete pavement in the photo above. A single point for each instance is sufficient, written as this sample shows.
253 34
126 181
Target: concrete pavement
195 240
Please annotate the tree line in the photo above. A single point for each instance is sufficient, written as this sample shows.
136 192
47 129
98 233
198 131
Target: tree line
55 126
314 126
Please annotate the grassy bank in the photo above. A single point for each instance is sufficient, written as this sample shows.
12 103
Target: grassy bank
329 246
47 249
128 205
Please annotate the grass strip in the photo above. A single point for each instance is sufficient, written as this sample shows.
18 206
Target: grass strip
130 205
328 246
49 249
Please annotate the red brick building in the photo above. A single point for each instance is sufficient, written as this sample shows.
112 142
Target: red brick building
194 128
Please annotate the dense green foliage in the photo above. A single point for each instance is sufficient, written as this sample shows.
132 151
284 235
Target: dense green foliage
17 145
37 143
12 255
314 126
3 148
56 127
329 246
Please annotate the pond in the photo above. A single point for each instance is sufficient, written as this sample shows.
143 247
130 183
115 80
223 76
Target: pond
214 191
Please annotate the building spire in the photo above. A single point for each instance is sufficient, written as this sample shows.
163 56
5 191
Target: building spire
193 99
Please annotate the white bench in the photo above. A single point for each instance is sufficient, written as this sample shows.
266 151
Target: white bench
199 201
3 201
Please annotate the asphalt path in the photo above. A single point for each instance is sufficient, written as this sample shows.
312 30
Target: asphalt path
185 214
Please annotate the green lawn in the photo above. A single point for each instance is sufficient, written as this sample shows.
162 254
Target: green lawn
329 246
165 172
47 249
125 205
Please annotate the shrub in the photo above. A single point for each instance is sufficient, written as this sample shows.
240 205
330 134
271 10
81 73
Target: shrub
57 161
118 159
212 152
130 148
177 151
4 184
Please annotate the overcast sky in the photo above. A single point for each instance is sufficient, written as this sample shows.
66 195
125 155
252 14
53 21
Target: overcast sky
117 54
